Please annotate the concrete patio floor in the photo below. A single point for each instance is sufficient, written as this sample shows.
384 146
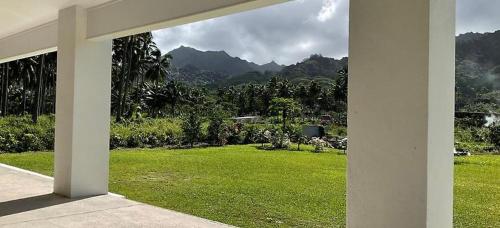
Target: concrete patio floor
26 200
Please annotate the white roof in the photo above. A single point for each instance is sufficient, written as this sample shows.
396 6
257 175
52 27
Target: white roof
20 15
30 27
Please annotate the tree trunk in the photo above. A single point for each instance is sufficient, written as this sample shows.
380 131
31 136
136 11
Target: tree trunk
121 80
24 94
54 93
128 76
2 76
37 101
5 89
43 95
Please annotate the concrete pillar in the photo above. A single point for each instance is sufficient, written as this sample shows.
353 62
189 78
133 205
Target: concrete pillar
400 118
82 108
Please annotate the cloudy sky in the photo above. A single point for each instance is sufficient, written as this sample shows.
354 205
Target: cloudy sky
290 32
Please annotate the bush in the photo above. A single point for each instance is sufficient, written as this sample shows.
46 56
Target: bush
340 119
470 120
146 133
319 144
235 134
217 132
251 134
474 139
191 128
278 139
495 134
263 136
19 134
298 136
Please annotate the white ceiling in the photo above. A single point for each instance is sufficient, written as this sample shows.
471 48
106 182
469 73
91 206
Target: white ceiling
20 15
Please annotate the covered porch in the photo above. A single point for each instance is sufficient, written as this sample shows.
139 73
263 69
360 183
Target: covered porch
400 118
27 200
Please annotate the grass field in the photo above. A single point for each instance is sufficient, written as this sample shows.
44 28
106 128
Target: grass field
245 186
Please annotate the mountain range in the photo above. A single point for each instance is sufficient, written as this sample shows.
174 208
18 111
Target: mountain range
477 67
217 61
217 68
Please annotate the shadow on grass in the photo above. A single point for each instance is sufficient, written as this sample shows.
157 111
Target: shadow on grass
472 163
270 148
462 162
296 149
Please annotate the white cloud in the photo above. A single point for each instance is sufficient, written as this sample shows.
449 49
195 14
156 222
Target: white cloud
327 10
284 33
290 32
478 16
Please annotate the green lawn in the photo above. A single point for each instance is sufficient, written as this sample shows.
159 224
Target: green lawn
247 187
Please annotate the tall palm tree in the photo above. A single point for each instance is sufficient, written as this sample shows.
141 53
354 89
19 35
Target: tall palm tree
136 59
6 71
340 88
27 74
159 66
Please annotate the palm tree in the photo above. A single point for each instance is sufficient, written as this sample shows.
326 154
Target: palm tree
155 99
5 88
136 59
158 68
27 74
174 93
340 88
38 95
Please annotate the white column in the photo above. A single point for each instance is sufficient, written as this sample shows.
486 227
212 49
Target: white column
82 108
400 120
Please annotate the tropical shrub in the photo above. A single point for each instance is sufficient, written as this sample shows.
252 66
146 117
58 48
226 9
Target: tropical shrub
146 133
319 144
235 135
297 136
279 139
495 134
217 131
263 136
19 134
251 134
191 128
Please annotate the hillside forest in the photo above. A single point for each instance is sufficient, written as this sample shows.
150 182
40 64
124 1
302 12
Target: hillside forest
149 84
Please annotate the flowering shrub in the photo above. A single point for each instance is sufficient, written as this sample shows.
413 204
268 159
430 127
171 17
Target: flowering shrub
319 144
278 139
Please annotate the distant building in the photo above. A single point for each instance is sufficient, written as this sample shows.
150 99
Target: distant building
247 119
311 131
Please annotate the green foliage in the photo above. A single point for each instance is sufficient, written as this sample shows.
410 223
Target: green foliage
191 128
285 107
495 134
475 140
19 134
278 139
297 136
235 133
251 133
476 121
336 130
146 133
217 131
319 145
